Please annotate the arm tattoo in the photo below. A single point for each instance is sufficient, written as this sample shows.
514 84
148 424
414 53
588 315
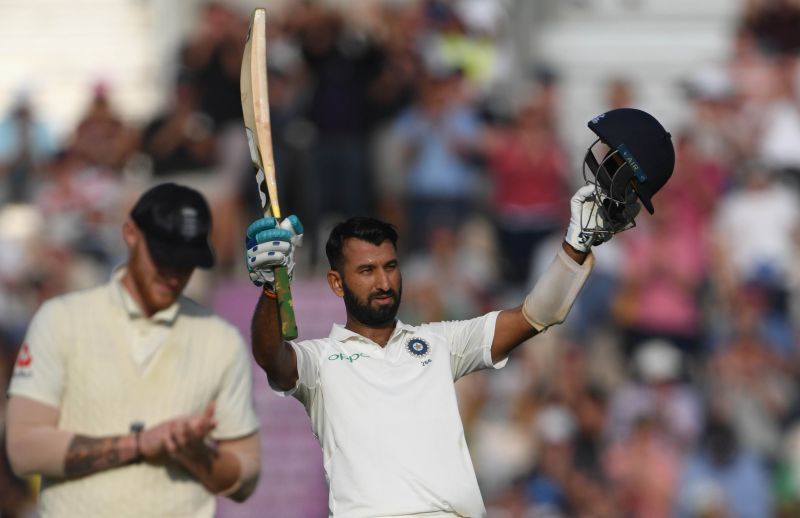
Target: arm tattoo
87 455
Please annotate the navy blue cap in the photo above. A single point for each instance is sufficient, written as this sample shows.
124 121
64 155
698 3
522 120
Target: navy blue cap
176 222
643 143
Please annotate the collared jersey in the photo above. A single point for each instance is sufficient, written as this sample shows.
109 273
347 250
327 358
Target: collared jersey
105 366
387 417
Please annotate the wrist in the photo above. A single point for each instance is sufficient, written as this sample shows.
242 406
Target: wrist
576 255
577 239
136 436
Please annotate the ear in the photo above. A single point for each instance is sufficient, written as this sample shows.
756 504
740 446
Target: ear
335 283
130 234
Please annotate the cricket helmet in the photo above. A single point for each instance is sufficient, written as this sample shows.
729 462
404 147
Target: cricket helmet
632 159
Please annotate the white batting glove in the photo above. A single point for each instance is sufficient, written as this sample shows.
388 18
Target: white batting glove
585 216
588 228
270 245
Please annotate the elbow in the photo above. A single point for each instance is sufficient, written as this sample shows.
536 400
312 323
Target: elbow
282 383
249 471
244 491
20 464
276 378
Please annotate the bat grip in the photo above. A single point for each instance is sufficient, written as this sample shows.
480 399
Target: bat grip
285 305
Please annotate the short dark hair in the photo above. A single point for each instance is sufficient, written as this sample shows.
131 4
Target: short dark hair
367 229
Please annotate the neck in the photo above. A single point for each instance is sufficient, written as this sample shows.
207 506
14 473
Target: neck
380 334
130 286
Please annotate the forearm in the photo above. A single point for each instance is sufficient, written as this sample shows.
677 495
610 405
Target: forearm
218 471
272 354
36 445
548 303
57 453
86 455
576 255
555 291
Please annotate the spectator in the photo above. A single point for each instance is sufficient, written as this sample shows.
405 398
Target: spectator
449 281
660 281
749 379
754 232
212 57
779 137
529 174
659 395
774 23
101 138
82 203
724 478
620 93
25 145
343 62
547 488
439 136
182 139
643 469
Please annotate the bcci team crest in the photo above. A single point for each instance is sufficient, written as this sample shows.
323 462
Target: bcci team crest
418 347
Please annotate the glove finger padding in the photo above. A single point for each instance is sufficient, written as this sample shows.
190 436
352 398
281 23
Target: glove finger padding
271 244
268 260
272 254
295 228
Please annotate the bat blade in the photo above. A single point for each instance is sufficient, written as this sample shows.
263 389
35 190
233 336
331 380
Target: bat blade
255 110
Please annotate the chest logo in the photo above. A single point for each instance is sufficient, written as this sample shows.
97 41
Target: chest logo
24 359
418 348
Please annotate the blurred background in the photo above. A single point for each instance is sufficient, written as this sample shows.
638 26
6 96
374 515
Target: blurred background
671 389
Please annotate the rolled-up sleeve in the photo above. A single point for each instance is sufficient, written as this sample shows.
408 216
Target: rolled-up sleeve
470 343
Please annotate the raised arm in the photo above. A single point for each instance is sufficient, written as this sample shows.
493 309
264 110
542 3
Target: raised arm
556 290
272 354
270 244
513 327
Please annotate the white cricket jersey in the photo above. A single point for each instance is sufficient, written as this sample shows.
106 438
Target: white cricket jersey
92 355
387 418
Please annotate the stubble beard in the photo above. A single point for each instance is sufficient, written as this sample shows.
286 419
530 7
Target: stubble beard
143 280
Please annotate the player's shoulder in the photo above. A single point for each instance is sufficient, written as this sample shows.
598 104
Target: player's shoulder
81 299
444 326
204 318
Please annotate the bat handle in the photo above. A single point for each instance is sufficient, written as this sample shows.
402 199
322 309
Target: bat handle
285 304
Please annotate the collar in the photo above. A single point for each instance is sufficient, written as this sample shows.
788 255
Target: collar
342 334
122 298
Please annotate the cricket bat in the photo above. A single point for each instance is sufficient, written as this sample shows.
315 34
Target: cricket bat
255 108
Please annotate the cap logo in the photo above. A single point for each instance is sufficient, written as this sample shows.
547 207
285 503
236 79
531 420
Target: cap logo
641 176
190 224
597 119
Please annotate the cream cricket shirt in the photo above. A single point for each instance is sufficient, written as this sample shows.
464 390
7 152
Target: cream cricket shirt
387 418
105 366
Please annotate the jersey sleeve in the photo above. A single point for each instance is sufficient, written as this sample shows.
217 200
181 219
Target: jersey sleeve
470 344
39 370
234 410
307 372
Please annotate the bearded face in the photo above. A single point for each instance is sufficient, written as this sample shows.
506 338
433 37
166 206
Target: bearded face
379 308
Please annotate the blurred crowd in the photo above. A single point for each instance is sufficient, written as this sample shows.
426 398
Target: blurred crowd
671 389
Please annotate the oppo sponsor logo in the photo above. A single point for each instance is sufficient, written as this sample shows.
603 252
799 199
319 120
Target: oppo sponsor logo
347 357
